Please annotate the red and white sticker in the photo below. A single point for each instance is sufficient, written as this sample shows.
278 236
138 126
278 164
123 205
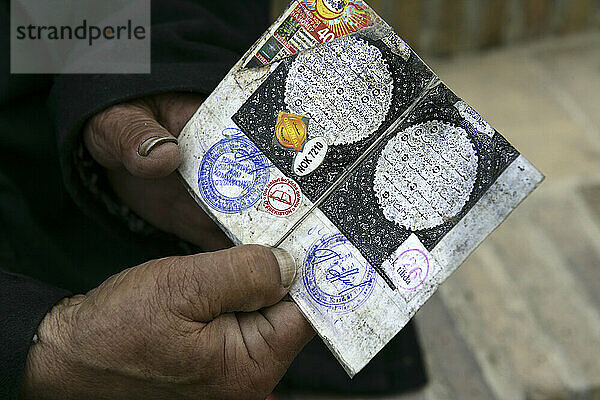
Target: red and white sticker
282 197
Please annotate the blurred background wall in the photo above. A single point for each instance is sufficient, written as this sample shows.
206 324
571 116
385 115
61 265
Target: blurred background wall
446 27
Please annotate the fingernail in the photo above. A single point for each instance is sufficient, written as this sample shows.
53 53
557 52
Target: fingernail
150 144
287 266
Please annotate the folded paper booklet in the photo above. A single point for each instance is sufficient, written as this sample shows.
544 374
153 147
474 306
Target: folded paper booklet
333 140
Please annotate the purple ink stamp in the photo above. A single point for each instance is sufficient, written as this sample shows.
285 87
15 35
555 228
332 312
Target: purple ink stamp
412 268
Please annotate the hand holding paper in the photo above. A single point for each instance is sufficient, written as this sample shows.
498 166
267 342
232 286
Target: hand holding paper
199 327
136 143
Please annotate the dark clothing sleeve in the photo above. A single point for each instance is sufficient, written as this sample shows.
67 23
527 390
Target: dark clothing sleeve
194 45
23 304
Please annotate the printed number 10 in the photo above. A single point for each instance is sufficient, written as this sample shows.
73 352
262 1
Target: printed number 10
326 35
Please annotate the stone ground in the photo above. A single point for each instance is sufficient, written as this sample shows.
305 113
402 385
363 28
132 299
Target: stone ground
521 318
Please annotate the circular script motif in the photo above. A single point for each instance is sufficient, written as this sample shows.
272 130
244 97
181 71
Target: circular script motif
282 197
425 175
332 276
344 87
232 175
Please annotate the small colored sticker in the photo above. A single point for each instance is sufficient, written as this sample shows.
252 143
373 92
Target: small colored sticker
312 157
339 17
291 130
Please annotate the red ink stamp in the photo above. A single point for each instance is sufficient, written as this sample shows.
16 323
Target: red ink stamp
282 197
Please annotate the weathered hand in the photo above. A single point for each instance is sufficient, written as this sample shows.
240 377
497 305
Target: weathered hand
209 326
135 142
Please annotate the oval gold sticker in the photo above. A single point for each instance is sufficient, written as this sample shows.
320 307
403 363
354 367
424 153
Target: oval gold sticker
291 131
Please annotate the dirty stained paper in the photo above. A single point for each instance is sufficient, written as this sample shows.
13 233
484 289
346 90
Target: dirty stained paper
333 140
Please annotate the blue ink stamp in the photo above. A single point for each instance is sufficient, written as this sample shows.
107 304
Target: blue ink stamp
233 173
332 276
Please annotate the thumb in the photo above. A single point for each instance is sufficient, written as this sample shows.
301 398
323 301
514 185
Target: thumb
245 278
129 136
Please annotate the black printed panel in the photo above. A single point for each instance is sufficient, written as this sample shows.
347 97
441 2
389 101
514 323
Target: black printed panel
347 93
422 179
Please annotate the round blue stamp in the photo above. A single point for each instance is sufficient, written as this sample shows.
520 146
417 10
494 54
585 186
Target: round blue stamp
233 173
332 276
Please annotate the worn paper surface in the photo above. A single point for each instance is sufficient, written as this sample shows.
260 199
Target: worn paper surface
333 140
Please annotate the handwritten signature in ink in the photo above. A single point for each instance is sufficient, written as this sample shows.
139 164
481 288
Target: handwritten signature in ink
242 155
339 273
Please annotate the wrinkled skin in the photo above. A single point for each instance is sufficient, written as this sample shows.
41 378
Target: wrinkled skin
207 326
149 185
